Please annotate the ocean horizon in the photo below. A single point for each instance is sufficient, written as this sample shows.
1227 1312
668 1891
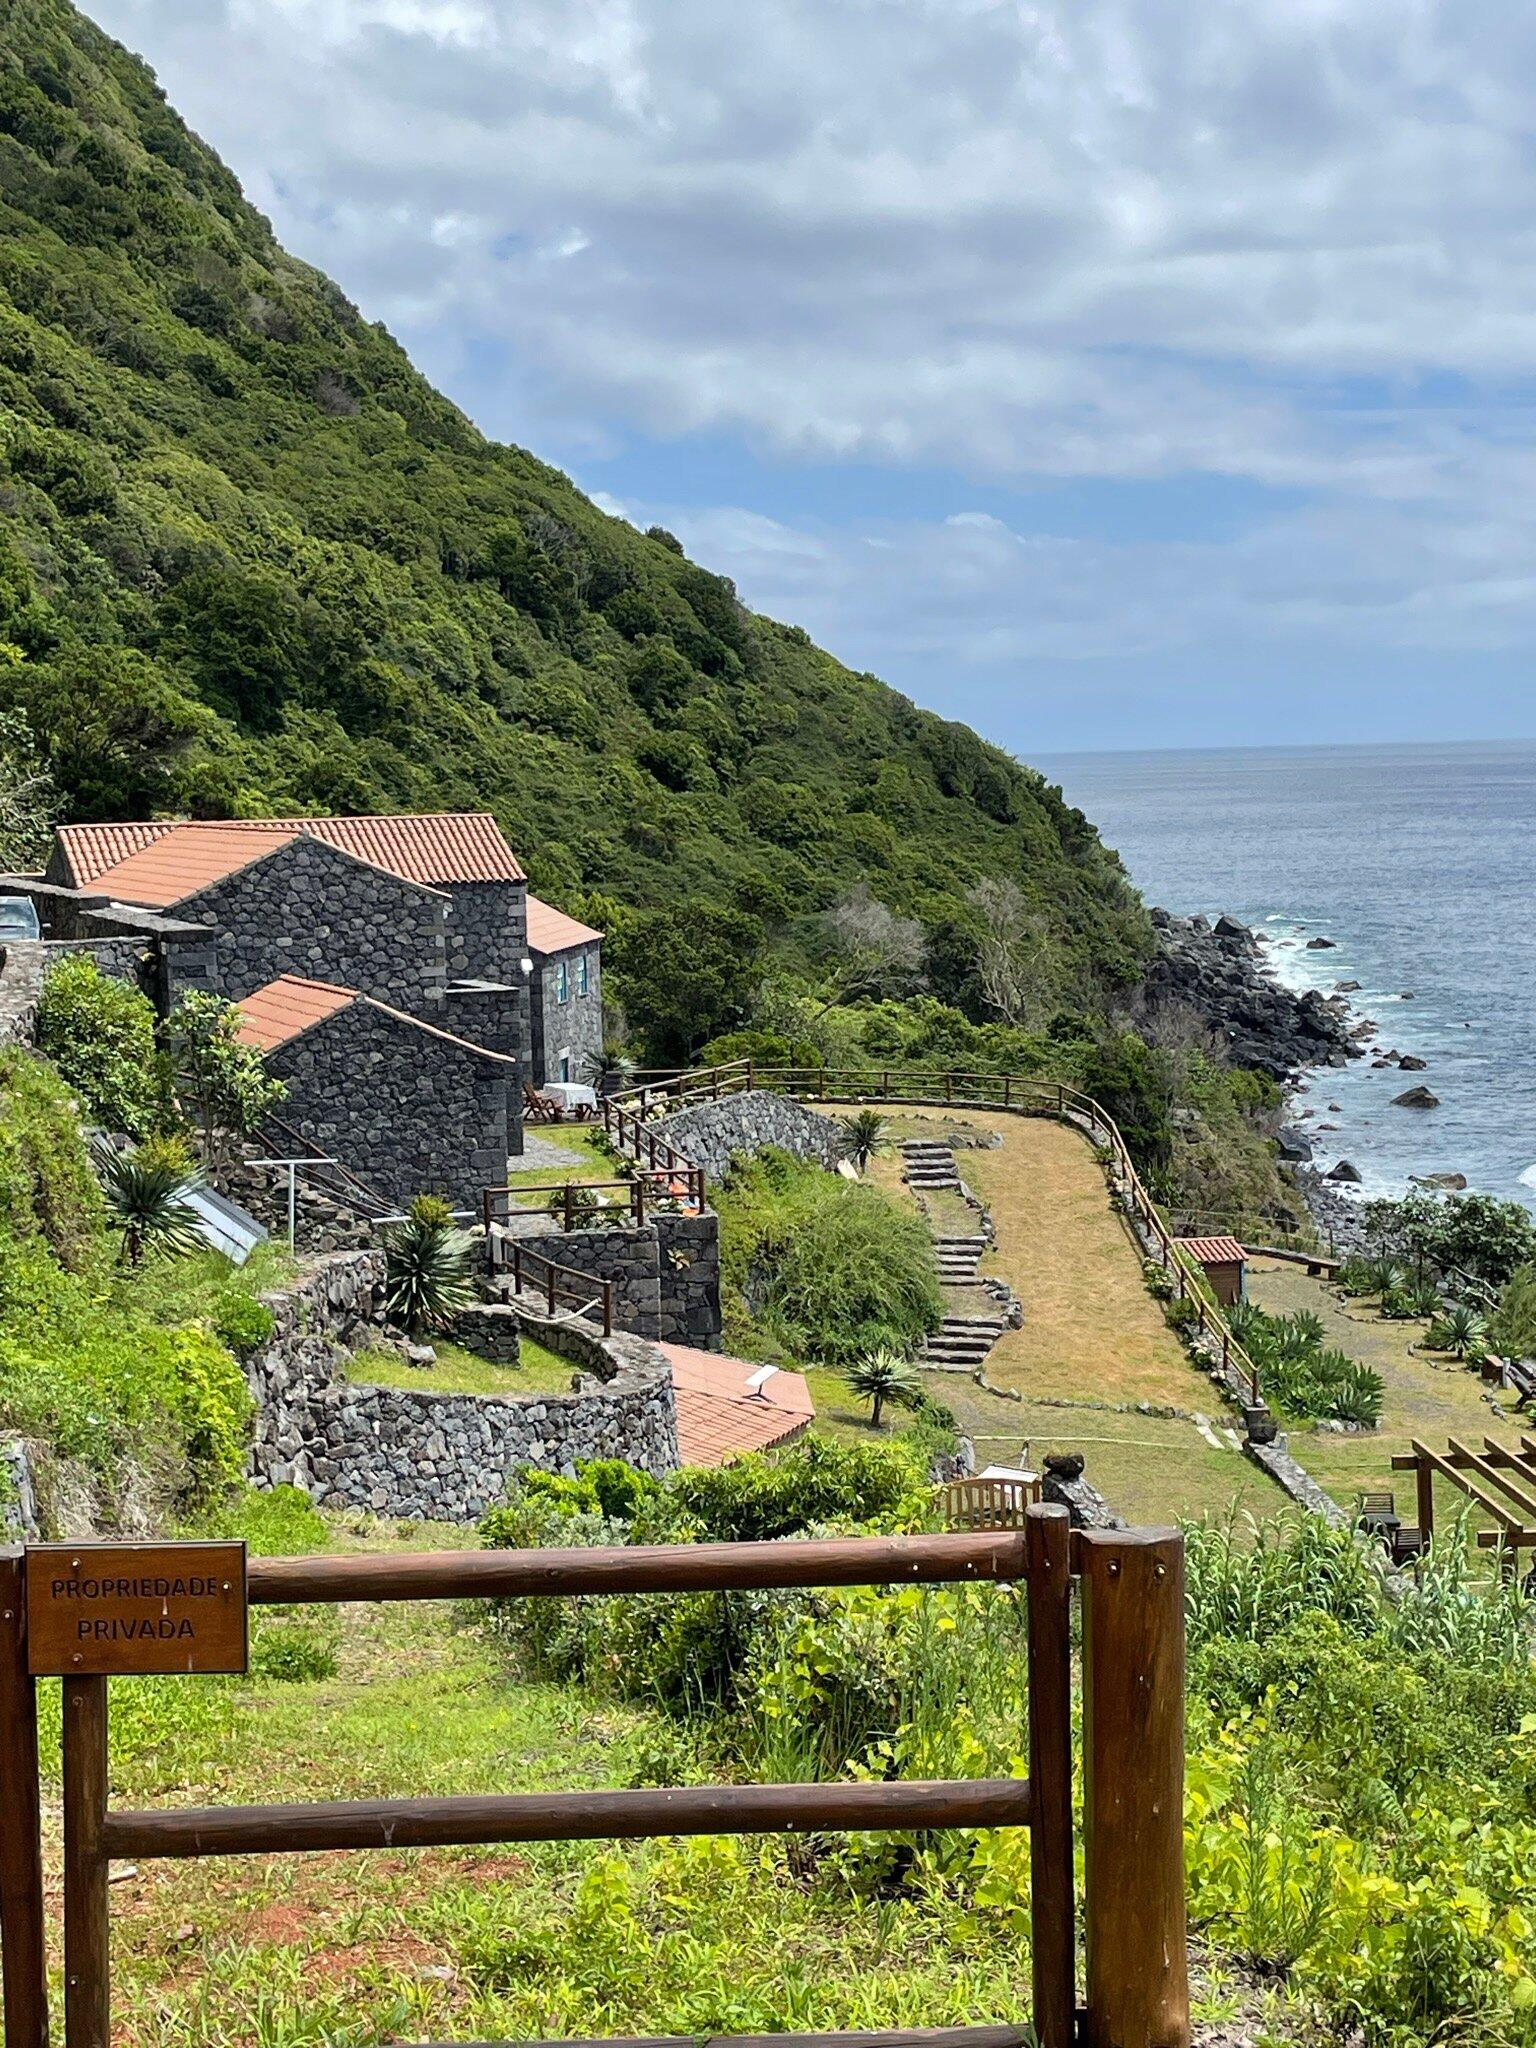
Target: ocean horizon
1414 860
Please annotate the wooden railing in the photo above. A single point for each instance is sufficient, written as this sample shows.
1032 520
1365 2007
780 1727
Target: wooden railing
574 1204
561 1286
658 1094
1133 1679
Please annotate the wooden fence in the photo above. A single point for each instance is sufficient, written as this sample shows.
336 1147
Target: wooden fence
587 1204
659 1093
1136 1989
563 1287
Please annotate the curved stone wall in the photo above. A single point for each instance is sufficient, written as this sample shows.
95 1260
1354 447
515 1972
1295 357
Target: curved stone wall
708 1133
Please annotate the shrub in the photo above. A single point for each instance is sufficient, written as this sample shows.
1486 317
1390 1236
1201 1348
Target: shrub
1159 1282
1302 1375
47 1188
223 1083
830 1271
295 1649
430 1264
1512 1326
100 1034
1475 1234
241 1322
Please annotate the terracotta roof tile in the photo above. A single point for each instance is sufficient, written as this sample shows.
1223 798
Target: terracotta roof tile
551 931
270 1016
1214 1251
432 846
718 1418
169 869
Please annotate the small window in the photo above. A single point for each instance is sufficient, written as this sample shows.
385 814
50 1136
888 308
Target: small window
565 1067
583 985
563 982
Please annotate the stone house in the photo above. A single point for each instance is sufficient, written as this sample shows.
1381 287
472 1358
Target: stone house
566 995
426 918
405 1107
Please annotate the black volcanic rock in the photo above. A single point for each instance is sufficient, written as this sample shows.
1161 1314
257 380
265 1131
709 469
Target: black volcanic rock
1220 973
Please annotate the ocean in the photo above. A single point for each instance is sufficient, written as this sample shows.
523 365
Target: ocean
1419 862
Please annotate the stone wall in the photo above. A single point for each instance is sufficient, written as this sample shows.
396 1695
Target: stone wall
160 955
629 1257
18 1496
688 1269
306 908
487 931
21 986
709 1132
406 1109
573 1028
665 1273
429 1456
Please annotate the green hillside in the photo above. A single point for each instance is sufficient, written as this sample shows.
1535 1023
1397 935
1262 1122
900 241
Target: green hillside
253 562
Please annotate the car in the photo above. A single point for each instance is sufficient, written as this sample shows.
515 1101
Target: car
18 919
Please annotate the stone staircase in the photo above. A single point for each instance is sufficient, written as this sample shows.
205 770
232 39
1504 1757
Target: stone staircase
962 1344
928 1164
958 1258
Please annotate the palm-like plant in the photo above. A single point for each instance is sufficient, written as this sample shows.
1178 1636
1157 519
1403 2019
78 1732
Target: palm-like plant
146 1193
430 1266
1461 1331
881 1377
864 1133
607 1070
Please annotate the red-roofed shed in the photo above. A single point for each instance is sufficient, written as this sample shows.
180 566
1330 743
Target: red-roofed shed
1224 1261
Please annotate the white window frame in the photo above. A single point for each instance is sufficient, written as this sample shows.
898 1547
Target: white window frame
562 981
583 976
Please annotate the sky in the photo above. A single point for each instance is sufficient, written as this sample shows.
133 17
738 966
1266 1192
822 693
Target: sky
1106 373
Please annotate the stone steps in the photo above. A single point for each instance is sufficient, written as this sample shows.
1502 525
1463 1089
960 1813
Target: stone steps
926 1164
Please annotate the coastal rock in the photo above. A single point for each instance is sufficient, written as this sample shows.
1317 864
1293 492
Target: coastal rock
1412 1064
1292 1147
1416 1098
1221 975
1452 1183
1346 988
1346 1170
1321 945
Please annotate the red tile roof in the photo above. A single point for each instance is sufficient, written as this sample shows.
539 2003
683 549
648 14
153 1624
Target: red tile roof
272 1015
551 931
183 861
718 1418
432 847
1214 1251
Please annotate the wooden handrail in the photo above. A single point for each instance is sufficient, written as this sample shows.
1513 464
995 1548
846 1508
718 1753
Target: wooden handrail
952 1088
560 1283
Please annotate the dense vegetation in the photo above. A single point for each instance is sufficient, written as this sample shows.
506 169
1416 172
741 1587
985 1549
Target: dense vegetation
255 563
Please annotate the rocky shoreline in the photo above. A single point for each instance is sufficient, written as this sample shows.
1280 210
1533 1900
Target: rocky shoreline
1219 970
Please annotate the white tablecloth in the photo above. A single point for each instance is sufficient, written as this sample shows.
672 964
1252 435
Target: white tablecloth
570 1094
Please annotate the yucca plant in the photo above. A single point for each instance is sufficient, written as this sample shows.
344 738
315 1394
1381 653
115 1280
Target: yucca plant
1461 1331
881 1377
864 1133
146 1192
430 1266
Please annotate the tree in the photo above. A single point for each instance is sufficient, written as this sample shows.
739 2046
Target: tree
1475 1234
881 1377
874 952
224 1084
100 1034
146 1192
1012 951
28 799
685 973
429 1266
864 1133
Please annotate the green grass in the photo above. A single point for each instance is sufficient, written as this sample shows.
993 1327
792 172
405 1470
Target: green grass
457 1371
587 1151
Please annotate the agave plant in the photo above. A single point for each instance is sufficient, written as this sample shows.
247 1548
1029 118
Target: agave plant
864 1133
881 1377
1461 1331
430 1266
146 1192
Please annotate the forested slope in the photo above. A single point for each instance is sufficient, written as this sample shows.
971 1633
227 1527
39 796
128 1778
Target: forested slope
252 561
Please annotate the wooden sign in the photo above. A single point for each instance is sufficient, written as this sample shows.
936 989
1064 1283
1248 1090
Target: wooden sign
102 1610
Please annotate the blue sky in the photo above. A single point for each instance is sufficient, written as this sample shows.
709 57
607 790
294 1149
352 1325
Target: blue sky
1107 373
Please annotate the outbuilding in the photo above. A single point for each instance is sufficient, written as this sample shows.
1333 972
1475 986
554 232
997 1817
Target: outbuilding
1224 1262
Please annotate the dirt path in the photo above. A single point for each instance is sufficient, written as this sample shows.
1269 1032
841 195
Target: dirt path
1094 1342
1426 1396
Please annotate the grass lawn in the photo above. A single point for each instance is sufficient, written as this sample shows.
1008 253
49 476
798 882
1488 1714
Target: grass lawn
584 1145
457 1371
672 1937
1426 1396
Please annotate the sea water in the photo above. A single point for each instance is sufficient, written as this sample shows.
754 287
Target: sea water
1419 862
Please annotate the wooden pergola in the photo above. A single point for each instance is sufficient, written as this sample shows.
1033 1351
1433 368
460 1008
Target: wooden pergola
1500 1479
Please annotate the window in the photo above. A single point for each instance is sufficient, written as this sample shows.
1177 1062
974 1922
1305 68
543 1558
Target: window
565 1067
583 985
563 982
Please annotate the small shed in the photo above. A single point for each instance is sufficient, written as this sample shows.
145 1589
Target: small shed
1224 1262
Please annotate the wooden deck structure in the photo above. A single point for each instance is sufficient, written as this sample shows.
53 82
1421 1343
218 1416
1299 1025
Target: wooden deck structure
1499 1478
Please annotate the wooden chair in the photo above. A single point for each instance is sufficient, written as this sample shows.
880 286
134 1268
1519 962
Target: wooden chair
537 1108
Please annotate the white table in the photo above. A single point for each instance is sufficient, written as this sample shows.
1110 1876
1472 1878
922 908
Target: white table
570 1095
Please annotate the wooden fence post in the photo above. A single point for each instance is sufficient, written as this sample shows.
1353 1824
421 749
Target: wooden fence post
1424 1488
87 1963
1048 1558
1133 1783
23 1945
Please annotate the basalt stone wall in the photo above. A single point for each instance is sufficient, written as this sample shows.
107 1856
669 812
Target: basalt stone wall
439 1457
688 1273
306 908
492 1014
21 988
629 1257
571 1029
487 931
160 955
708 1133
407 1110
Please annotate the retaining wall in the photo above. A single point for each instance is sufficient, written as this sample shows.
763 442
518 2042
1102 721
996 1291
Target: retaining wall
708 1133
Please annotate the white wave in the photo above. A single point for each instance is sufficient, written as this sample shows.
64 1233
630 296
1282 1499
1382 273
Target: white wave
1528 1178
